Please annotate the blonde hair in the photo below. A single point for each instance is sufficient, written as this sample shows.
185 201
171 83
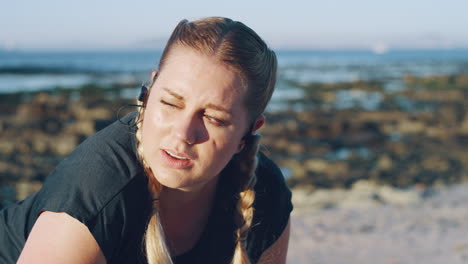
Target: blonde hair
240 48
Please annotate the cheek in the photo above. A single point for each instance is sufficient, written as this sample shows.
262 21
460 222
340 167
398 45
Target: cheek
158 115
147 138
225 145
151 129
222 152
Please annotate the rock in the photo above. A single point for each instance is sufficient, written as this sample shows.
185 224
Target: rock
100 113
365 186
413 127
64 144
363 194
24 189
338 170
461 80
291 125
316 165
298 170
51 125
82 126
394 196
23 147
294 148
8 168
440 133
384 163
463 129
319 199
436 95
436 163
281 143
7 146
40 144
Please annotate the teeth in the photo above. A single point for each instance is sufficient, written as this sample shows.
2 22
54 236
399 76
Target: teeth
175 156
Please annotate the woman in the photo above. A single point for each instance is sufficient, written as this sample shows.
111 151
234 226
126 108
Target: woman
182 181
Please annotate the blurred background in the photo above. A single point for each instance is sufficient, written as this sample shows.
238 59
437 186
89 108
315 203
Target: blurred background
369 120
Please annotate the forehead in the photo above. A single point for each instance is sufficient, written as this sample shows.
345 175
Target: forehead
191 73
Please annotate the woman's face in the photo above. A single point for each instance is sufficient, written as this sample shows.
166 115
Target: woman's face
194 120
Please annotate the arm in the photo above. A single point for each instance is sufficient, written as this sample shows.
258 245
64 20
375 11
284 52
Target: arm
60 238
276 254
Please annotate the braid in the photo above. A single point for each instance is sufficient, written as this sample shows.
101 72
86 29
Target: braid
247 161
156 248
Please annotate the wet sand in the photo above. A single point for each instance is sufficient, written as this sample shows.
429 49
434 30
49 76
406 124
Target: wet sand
432 229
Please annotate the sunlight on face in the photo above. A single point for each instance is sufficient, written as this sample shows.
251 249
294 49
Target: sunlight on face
194 120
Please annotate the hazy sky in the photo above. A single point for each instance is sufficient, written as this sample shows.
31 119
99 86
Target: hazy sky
329 24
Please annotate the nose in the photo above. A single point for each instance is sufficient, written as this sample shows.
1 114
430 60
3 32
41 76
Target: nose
188 129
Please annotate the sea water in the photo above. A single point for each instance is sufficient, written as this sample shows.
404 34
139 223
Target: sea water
35 70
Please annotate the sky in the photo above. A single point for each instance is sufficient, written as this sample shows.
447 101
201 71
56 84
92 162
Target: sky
287 24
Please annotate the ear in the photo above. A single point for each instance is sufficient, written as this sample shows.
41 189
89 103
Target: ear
241 146
258 123
153 74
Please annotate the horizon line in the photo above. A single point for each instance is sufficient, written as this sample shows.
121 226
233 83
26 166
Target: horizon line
282 49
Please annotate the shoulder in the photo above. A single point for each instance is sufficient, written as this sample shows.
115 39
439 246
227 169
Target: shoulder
101 184
94 173
111 152
270 184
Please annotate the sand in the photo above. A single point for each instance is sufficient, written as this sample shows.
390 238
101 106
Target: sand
425 226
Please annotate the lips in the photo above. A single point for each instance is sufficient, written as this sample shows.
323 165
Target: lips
175 160
174 155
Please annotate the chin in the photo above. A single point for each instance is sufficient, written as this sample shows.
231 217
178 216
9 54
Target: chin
169 178
175 179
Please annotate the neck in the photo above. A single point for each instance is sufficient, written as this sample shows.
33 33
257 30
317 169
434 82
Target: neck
176 199
184 215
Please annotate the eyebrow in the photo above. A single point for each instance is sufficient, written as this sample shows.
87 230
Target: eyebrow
210 105
218 108
176 95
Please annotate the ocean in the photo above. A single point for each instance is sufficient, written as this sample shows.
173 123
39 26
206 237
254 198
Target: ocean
33 71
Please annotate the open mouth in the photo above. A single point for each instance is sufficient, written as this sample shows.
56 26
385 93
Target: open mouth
175 156
176 160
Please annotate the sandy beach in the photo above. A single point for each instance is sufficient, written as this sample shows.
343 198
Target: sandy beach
362 226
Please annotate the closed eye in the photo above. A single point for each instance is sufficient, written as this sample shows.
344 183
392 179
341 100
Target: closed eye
216 121
168 104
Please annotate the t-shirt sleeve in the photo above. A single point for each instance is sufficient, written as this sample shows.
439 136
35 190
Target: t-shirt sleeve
272 207
98 184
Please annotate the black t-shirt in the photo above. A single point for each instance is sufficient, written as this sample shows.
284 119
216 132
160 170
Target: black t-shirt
102 184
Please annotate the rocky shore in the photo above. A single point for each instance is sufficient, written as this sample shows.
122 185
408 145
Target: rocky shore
38 130
415 135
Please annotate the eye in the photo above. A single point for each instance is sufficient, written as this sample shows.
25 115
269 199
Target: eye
168 104
216 121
